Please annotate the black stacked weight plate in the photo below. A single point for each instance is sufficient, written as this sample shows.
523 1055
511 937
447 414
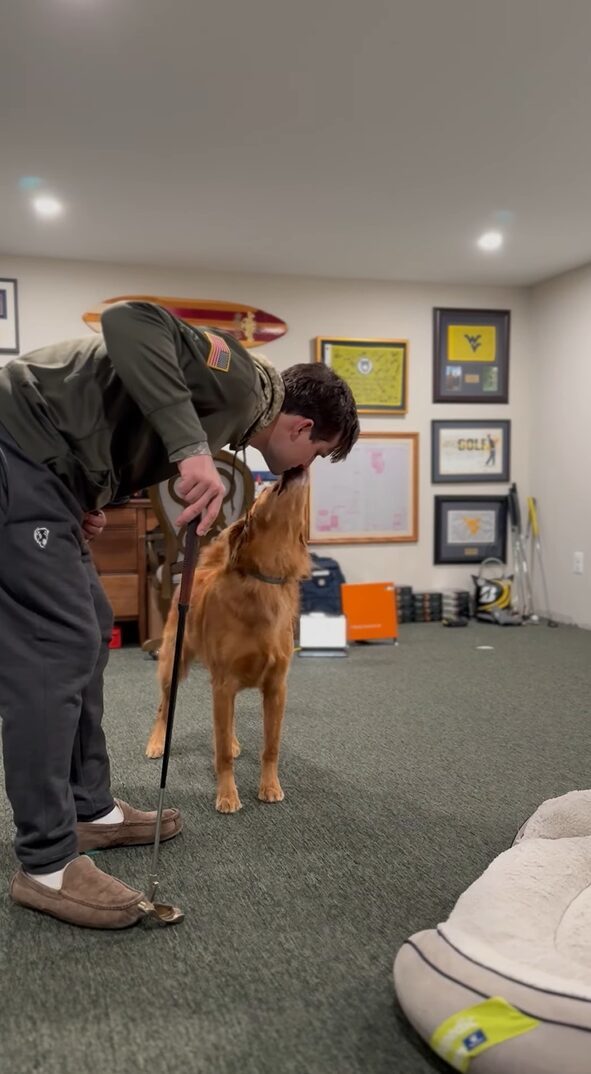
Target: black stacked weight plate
405 604
456 604
428 607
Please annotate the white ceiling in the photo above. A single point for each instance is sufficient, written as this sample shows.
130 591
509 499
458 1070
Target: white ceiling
373 139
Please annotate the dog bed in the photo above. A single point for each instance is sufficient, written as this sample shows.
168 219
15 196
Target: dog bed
504 985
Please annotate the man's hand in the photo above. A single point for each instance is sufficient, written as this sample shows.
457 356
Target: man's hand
93 524
203 489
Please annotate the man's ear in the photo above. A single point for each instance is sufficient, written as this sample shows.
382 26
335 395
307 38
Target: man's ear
301 426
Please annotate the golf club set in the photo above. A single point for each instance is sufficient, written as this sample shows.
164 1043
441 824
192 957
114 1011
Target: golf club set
508 599
525 565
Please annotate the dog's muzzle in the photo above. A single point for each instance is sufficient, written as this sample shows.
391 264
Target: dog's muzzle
290 477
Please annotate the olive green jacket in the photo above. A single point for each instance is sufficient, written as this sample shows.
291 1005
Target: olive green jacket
111 414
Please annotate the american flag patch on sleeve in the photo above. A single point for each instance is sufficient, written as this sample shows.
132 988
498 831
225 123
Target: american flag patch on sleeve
219 353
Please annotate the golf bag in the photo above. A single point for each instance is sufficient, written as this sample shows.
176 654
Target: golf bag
492 599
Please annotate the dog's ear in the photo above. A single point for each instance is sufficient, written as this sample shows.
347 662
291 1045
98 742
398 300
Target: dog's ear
236 533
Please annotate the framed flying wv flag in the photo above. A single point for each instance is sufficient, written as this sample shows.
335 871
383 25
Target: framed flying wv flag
471 356
470 529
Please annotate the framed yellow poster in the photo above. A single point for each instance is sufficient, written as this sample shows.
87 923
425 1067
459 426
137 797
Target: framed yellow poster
374 369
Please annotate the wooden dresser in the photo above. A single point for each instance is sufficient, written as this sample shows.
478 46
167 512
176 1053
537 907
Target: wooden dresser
120 558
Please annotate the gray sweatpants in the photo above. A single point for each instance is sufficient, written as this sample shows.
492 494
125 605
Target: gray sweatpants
55 625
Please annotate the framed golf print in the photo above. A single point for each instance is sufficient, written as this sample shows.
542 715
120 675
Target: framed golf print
374 369
370 497
471 356
9 317
469 529
470 451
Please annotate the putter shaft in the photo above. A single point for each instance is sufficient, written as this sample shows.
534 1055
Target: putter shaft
153 878
184 597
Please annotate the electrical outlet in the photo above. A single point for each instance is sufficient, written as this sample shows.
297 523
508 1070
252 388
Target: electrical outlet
578 563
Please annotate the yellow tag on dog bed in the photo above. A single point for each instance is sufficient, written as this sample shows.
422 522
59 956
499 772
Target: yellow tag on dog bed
475 1029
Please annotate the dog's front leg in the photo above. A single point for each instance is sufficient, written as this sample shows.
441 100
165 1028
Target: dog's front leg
274 696
224 696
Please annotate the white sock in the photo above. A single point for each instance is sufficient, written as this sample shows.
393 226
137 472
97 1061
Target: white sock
55 880
114 817
49 880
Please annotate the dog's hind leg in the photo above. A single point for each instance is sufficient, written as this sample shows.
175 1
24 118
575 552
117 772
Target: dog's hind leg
274 696
155 744
224 697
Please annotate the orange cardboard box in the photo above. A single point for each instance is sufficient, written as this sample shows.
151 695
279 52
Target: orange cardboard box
370 608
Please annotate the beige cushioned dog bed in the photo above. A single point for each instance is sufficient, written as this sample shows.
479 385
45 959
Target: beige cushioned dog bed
504 985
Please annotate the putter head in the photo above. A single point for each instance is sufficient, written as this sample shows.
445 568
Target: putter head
161 913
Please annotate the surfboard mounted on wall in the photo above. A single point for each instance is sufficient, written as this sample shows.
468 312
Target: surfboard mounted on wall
252 327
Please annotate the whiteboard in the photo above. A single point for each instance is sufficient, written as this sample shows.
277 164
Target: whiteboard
370 496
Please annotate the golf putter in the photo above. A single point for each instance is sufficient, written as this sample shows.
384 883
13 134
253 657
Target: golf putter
163 913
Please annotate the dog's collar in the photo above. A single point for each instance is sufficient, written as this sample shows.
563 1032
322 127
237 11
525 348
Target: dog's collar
266 578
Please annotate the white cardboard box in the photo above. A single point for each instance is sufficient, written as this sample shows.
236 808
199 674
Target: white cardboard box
323 632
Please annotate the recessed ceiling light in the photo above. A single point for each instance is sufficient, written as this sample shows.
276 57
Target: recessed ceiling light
47 206
491 240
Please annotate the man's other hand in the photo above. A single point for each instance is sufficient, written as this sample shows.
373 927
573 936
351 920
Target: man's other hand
93 524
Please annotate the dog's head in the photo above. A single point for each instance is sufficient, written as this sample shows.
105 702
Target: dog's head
272 538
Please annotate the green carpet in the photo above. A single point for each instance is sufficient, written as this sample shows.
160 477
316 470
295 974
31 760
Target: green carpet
406 770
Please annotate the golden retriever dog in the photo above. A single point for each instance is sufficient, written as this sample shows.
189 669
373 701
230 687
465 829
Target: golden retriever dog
240 620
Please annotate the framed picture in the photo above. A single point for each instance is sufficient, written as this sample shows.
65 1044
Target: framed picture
8 317
469 529
374 369
471 356
470 451
370 497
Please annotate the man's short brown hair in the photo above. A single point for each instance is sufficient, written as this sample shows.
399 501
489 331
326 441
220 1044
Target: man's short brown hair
315 391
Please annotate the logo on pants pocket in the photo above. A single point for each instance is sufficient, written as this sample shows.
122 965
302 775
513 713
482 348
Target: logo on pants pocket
41 536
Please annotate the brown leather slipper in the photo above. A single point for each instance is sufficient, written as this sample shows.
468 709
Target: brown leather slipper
88 897
136 829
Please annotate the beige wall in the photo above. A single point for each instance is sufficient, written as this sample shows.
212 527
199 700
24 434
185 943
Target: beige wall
561 453
53 295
